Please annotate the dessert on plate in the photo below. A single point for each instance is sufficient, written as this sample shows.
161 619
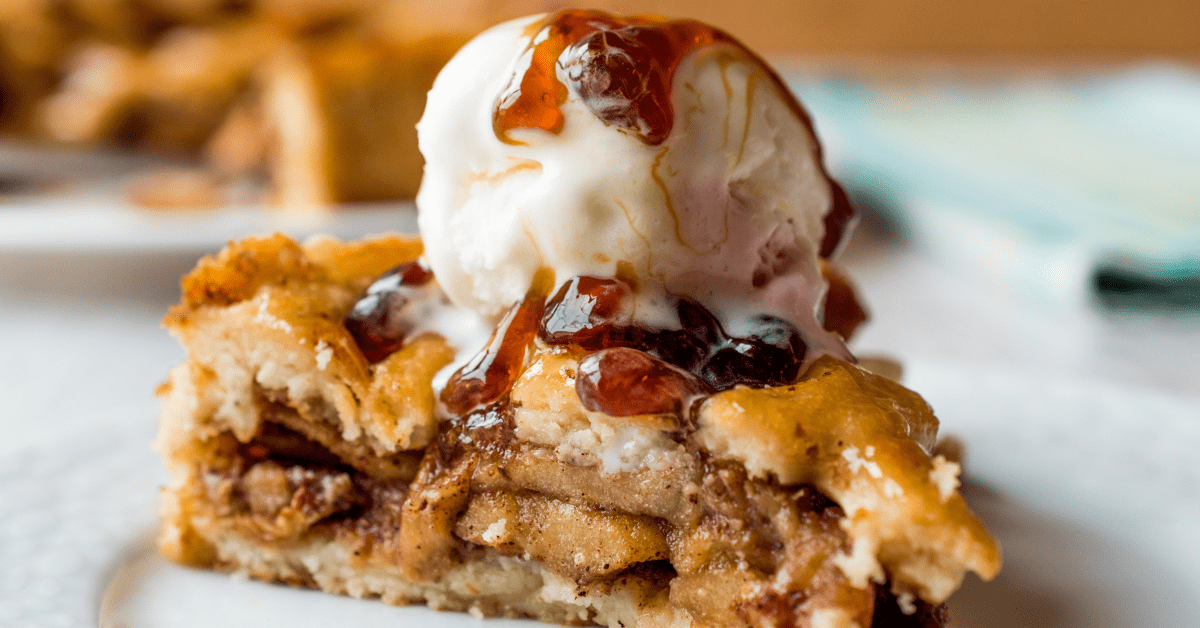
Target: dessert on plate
609 385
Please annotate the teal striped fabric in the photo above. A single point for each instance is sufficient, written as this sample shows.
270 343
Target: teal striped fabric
1078 190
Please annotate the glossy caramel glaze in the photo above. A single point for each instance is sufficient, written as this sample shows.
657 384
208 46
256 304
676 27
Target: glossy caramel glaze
843 312
493 370
377 320
622 69
627 382
593 313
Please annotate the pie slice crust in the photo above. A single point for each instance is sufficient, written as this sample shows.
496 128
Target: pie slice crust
294 459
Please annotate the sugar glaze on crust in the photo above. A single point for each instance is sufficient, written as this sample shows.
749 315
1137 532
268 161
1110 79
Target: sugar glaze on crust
294 459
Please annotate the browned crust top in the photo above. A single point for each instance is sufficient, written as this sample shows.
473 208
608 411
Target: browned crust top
242 267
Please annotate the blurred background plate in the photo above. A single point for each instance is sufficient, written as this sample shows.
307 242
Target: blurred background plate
74 202
105 225
69 224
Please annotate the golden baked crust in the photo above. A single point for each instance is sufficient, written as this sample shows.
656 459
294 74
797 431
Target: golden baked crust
863 440
265 316
295 459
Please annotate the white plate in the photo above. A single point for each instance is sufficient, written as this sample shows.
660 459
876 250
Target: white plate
76 202
1093 488
103 223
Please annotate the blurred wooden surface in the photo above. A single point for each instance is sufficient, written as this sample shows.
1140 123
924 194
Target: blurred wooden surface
1022 27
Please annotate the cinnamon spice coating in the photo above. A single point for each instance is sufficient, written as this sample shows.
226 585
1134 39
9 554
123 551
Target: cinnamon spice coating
293 459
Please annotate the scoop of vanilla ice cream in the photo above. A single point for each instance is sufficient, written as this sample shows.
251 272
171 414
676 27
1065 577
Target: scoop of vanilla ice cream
727 210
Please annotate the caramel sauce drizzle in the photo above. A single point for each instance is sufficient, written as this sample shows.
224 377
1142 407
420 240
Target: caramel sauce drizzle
622 68
494 178
492 372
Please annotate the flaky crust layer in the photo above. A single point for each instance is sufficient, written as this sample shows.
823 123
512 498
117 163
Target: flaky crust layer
266 314
863 440
294 459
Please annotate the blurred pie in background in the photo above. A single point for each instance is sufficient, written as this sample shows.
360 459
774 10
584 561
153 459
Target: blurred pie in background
311 102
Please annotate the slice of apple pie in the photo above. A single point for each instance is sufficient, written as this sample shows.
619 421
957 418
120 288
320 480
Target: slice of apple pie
610 386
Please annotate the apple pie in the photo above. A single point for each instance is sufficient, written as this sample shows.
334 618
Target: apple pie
609 385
